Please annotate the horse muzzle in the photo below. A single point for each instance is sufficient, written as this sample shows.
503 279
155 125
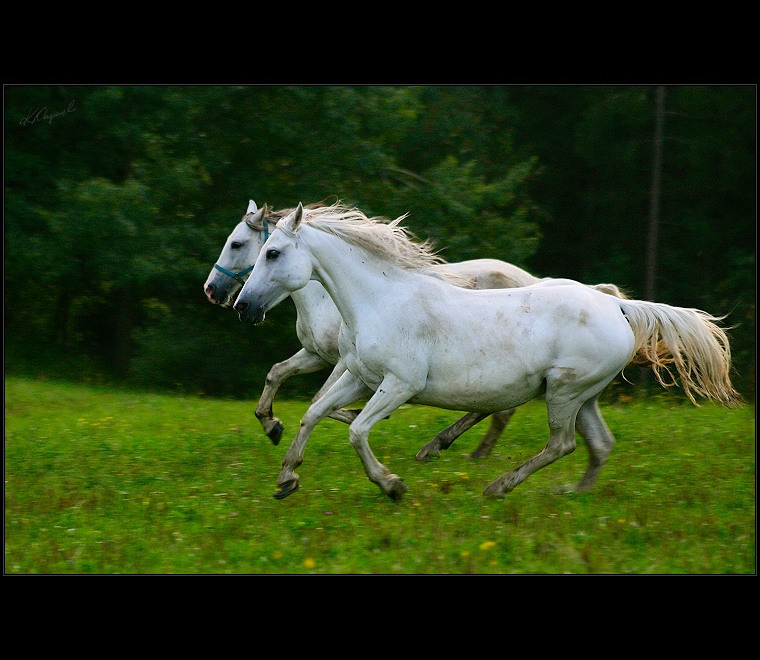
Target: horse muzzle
220 293
210 291
252 313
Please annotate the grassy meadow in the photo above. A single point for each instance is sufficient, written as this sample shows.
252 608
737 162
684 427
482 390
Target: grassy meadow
110 481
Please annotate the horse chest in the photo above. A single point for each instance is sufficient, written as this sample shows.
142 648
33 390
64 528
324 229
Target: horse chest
317 326
372 356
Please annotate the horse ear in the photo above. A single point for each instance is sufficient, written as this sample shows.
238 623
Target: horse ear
297 217
291 224
252 208
257 221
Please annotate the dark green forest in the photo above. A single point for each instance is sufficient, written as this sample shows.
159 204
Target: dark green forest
118 200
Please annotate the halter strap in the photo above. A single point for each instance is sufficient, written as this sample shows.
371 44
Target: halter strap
265 224
234 276
238 276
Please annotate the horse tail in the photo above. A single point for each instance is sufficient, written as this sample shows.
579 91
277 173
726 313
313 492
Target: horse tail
690 340
641 357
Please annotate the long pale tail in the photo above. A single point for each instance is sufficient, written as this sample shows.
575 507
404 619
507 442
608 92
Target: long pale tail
688 339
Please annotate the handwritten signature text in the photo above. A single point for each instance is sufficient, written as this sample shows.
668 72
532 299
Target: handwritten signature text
37 115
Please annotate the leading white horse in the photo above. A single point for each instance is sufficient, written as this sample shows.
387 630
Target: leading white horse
410 337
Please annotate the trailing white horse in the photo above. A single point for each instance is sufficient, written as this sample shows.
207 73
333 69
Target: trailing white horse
410 337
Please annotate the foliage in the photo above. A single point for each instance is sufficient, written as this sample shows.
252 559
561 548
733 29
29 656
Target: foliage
118 200
105 480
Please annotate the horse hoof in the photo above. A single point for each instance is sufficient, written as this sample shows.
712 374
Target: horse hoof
427 453
275 433
396 490
498 488
490 491
288 488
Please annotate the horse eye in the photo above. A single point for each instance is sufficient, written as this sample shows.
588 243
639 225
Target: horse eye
236 245
272 254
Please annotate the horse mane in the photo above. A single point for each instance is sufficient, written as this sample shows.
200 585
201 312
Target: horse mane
383 238
275 216
355 227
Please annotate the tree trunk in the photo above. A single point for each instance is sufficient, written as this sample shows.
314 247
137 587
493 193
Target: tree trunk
650 278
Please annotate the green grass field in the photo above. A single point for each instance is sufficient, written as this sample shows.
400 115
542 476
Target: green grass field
111 481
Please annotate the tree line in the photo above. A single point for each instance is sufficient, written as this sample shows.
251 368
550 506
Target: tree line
118 200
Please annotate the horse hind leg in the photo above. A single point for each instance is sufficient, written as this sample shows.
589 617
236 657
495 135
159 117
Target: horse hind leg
445 438
561 442
499 422
599 439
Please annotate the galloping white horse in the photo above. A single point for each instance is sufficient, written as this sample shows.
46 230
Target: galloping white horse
410 337
318 324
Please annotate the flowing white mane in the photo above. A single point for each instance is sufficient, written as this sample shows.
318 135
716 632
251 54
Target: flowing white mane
379 236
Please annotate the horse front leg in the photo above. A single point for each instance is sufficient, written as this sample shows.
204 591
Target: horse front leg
302 362
345 416
391 394
347 389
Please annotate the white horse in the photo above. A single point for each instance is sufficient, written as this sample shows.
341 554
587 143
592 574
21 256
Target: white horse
318 324
410 337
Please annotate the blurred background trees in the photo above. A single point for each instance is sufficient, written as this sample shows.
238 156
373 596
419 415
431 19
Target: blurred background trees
117 208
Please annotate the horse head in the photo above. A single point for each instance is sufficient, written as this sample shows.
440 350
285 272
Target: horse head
238 256
279 270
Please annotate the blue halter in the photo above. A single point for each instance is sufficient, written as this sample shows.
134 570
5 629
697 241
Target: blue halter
234 276
238 276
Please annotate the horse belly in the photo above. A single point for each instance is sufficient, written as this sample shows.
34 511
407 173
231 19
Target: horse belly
491 376
479 395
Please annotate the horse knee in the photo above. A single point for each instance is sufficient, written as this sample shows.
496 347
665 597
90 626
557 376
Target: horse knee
314 415
356 435
273 377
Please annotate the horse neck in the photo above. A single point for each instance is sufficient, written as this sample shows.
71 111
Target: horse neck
355 279
311 301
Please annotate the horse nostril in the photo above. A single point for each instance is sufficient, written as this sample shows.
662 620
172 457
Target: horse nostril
210 292
241 306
